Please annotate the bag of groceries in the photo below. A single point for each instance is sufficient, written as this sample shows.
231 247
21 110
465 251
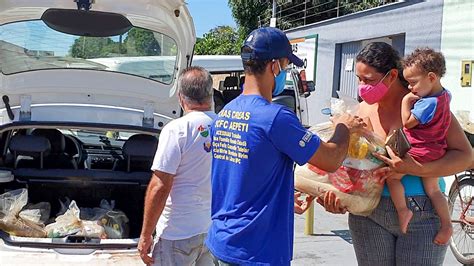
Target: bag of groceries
353 183
362 145
357 190
11 219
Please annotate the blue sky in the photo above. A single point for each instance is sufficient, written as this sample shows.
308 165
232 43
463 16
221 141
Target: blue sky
208 14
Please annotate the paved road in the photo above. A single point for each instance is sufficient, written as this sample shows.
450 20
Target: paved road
331 242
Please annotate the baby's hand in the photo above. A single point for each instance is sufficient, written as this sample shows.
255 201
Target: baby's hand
410 98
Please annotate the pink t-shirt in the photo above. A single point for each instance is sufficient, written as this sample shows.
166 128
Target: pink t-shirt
428 138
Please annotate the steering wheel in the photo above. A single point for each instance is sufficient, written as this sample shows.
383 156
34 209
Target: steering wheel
73 148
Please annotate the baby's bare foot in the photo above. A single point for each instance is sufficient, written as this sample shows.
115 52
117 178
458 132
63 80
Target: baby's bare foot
444 234
404 218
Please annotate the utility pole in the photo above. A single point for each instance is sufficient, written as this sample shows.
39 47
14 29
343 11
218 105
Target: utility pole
273 20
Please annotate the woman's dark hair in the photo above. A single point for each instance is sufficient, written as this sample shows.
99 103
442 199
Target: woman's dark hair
383 58
254 67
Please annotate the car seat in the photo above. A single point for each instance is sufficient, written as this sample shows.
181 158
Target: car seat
29 151
231 89
57 158
138 152
219 101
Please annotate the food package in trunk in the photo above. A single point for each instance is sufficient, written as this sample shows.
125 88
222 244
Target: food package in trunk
16 226
115 222
358 190
11 204
38 213
66 224
92 229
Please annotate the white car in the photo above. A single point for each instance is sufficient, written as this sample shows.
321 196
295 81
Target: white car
70 126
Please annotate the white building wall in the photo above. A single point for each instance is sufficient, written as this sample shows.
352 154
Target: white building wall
457 43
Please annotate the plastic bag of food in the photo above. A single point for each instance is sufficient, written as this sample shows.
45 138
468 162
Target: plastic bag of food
13 201
357 190
115 222
67 224
37 213
11 204
362 144
466 119
92 229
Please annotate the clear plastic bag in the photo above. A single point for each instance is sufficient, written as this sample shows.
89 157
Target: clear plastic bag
115 222
362 144
353 183
38 213
466 119
357 190
66 224
11 204
13 201
92 229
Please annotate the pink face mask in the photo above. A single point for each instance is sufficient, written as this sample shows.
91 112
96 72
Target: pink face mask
373 93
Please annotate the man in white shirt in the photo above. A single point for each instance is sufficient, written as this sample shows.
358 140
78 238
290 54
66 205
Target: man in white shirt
178 198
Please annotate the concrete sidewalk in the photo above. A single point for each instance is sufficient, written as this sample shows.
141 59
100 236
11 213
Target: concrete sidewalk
331 242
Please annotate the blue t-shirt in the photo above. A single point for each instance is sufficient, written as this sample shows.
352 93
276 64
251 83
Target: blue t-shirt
254 146
413 186
425 108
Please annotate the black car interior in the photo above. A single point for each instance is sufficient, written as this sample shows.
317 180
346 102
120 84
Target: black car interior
57 157
138 152
53 164
231 88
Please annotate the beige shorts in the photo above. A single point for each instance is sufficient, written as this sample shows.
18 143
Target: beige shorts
189 251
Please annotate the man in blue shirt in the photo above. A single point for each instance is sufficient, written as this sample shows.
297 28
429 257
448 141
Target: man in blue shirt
254 146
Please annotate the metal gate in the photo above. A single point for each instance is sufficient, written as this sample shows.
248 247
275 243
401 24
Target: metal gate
348 80
345 79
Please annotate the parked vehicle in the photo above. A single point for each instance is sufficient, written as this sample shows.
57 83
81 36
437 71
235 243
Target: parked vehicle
228 75
81 122
72 127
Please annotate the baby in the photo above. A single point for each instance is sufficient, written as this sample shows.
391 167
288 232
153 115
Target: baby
426 117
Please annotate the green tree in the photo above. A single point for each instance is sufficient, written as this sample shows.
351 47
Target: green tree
251 14
138 42
142 42
248 13
222 40
355 6
93 47
300 12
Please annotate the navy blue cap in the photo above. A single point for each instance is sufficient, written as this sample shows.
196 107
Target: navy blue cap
269 43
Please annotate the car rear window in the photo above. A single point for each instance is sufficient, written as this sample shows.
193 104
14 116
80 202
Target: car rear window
32 45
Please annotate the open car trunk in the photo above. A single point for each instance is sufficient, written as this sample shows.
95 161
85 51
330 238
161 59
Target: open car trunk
103 170
87 188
